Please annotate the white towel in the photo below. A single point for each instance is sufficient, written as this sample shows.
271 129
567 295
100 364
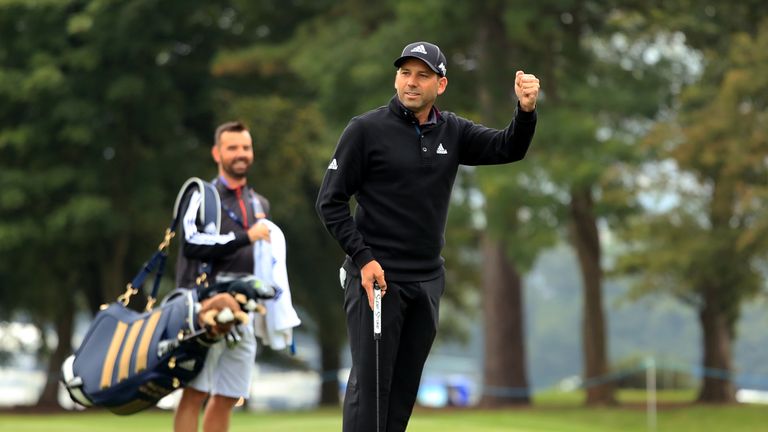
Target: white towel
275 329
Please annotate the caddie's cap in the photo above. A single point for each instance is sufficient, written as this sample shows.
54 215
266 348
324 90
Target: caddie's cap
426 52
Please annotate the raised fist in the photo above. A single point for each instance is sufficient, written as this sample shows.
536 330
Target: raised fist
527 90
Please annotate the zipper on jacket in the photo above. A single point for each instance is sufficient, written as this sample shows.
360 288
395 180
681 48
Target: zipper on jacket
424 150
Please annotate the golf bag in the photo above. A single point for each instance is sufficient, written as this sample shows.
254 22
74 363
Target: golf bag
130 360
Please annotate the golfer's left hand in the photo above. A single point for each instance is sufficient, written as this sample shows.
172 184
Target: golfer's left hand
370 272
527 90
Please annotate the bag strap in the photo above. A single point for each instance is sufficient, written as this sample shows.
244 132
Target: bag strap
258 209
157 260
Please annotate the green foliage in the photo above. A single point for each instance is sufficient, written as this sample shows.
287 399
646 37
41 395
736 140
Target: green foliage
106 107
98 100
717 223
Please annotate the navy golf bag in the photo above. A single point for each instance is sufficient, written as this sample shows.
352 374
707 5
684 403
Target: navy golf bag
130 360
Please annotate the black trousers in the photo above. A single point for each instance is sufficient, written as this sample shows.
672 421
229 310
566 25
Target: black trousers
408 328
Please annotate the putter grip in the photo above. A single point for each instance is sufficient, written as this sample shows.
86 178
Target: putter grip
376 311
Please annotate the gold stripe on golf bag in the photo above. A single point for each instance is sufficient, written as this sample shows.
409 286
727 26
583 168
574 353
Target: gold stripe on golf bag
146 338
109 360
125 357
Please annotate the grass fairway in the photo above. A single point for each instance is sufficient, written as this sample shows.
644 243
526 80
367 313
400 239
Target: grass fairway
735 418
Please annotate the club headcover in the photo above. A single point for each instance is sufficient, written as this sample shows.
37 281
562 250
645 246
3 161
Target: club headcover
220 313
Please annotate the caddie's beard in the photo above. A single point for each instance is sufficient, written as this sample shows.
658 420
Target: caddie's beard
236 173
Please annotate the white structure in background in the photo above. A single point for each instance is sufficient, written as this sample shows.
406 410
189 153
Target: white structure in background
650 391
273 390
752 396
20 387
278 390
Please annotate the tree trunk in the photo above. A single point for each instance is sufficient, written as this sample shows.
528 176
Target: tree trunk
329 354
115 277
586 241
113 274
717 386
504 372
64 327
716 323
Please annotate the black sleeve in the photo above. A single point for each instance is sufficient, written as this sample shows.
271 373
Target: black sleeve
201 245
342 180
485 146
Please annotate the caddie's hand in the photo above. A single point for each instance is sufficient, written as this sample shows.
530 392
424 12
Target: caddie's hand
527 90
370 272
260 231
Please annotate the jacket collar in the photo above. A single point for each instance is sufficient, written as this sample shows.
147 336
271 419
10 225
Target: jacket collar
224 185
435 117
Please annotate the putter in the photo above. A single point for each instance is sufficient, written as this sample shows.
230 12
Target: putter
377 337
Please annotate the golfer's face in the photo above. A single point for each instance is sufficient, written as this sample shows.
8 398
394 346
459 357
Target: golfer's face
417 85
234 153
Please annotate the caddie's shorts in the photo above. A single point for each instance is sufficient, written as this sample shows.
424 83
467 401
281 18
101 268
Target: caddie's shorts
228 371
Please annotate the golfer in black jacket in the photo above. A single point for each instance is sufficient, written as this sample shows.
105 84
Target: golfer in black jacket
399 161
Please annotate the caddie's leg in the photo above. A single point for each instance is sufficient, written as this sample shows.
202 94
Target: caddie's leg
188 411
217 413
360 398
196 392
418 332
231 380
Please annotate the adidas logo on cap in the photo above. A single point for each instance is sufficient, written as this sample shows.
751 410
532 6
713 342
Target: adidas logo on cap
429 53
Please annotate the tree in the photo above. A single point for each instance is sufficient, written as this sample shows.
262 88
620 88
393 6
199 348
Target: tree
599 93
518 222
100 99
718 145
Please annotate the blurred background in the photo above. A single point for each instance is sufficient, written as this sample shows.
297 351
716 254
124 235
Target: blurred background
628 248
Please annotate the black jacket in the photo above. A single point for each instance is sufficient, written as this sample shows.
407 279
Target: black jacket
401 176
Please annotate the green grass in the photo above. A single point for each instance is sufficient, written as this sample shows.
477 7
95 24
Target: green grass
576 398
551 413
